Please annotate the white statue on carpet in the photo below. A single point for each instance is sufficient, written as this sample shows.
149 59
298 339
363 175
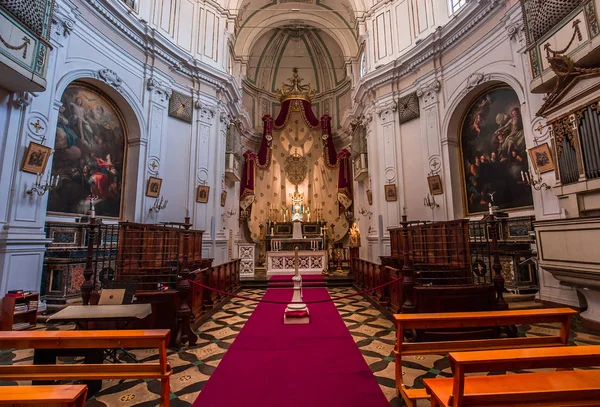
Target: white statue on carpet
296 312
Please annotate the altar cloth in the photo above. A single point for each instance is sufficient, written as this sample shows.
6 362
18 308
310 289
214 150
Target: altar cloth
309 262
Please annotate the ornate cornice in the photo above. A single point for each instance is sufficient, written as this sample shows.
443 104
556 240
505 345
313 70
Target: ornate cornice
438 42
153 42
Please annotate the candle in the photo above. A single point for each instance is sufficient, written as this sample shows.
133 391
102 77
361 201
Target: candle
522 176
490 207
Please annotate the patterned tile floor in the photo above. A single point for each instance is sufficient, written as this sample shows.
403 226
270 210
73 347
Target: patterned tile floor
192 366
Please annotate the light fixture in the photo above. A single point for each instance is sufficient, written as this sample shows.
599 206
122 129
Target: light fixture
39 188
537 183
159 204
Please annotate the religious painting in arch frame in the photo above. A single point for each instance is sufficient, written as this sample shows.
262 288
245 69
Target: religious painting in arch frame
90 153
493 153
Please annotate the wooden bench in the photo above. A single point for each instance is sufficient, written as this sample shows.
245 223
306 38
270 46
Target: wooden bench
126 339
62 395
450 320
581 387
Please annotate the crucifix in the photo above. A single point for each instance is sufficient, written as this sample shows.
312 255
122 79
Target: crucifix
92 210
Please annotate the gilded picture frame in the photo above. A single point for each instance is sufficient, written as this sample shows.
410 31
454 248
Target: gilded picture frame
202 194
154 187
390 193
36 158
541 158
435 185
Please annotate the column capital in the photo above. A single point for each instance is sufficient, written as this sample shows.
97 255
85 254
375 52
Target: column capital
386 111
428 93
161 90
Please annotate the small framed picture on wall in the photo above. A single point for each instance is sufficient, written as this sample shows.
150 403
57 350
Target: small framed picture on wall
435 185
541 157
154 186
390 193
36 158
202 194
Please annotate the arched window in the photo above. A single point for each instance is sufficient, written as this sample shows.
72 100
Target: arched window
455 5
363 64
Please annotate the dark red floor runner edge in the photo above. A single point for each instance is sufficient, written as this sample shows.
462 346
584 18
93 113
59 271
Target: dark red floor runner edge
271 364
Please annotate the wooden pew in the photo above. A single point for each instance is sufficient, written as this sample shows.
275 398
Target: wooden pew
581 388
126 339
449 320
47 396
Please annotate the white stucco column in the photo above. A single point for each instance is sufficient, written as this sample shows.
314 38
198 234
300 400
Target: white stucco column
431 142
383 170
159 93
207 165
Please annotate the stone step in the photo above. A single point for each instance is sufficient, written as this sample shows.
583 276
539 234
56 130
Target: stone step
510 297
524 305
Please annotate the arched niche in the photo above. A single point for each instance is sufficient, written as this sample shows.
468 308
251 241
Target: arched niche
501 143
127 112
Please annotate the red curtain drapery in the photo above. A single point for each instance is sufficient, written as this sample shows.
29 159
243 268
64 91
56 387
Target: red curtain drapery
247 185
262 160
264 152
292 105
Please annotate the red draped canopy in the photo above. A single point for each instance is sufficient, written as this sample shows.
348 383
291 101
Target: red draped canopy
262 160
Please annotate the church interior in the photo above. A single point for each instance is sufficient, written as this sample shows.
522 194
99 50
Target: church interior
299 202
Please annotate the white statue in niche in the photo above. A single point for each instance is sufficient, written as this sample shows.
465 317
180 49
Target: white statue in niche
297 206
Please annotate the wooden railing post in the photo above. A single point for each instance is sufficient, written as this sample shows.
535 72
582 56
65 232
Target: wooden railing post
185 333
88 285
501 304
408 281
384 291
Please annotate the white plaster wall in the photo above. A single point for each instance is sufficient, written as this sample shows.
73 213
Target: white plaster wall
445 89
413 170
176 168
88 48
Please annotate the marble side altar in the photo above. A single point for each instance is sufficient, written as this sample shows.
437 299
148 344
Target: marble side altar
309 262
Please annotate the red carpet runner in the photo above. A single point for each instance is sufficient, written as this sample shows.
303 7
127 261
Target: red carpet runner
275 365
308 280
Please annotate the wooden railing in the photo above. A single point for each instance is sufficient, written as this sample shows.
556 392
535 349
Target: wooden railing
224 277
368 275
433 261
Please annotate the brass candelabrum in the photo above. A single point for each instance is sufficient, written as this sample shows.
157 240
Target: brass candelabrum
537 183
39 188
159 204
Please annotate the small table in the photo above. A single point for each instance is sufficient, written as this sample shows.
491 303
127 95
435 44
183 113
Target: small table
81 315
88 313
